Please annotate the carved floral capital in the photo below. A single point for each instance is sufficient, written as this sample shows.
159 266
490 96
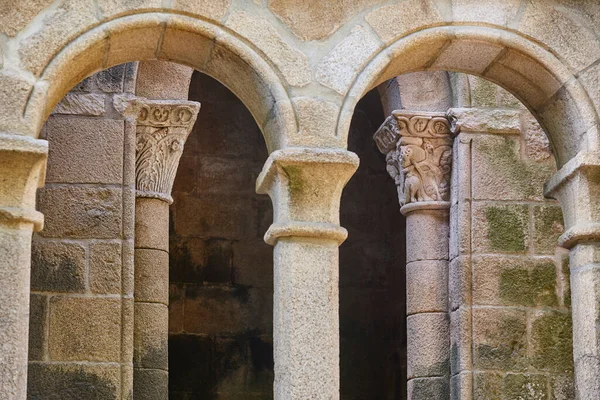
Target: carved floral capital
418 149
162 129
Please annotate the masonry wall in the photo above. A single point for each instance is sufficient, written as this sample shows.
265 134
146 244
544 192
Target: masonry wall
82 262
509 282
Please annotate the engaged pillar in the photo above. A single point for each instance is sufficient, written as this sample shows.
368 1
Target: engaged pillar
577 187
22 171
305 186
162 129
418 149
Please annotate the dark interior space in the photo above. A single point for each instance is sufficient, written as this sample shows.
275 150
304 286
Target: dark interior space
220 321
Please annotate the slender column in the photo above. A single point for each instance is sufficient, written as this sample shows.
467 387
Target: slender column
22 171
305 186
162 129
577 187
418 149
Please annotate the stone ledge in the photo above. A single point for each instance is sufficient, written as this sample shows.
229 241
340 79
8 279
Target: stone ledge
306 230
583 160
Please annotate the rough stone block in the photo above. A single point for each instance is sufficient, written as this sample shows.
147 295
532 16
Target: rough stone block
81 212
105 268
434 229
512 281
547 227
499 339
58 266
562 387
500 228
151 276
110 80
38 313
150 384
487 385
187 258
85 329
490 11
427 349
460 340
81 104
85 150
500 173
428 388
426 286
525 386
151 336
73 382
460 282
151 224
552 341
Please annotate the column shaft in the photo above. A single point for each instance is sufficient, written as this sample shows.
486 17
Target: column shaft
22 170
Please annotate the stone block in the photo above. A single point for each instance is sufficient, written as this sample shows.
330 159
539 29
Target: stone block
426 286
85 150
490 11
223 175
151 276
461 339
433 229
397 20
151 336
211 9
552 341
81 212
218 262
316 117
460 282
15 17
182 44
58 266
427 349
74 381
525 386
537 145
499 339
106 264
292 62
212 310
141 39
176 300
461 386
562 387
500 228
514 281
187 258
500 173
74 103
253 264
151 224
163 80
487 385
338 68
85 329
215 215
467 56
531 95
110 80
428 388
38 337
547 227
190 357
150 384
565 279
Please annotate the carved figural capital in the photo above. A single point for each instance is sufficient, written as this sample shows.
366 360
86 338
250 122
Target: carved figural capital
418 149
162 129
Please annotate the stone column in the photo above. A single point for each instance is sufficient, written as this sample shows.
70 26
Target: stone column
577 187
22 171
418 149
305 186
162 129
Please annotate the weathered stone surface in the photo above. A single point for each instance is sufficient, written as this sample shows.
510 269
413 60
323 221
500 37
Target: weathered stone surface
547 227
105 268
81 104
291 62
499 339
253 264
514 281
85 329
16 15
38 315
163 80
500 228
151 276
467 56
537 144
562 387
57 27
552 341
318 21
316 116
73 382
399 19
429 355
85 150
151 336
211 9
81 212
58 266
490 11
110 80
338 68
525 386
150 384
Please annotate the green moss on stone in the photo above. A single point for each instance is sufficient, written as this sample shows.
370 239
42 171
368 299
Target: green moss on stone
552 342
566 278
524 387
506 228
295 180
548 223
529 286
487 385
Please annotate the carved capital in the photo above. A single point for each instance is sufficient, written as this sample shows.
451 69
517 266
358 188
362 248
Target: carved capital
162 129
418 149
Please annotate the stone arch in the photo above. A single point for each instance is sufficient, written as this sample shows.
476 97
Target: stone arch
202 45
538 78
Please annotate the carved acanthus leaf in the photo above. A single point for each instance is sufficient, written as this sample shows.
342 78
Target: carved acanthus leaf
418 149
162 129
